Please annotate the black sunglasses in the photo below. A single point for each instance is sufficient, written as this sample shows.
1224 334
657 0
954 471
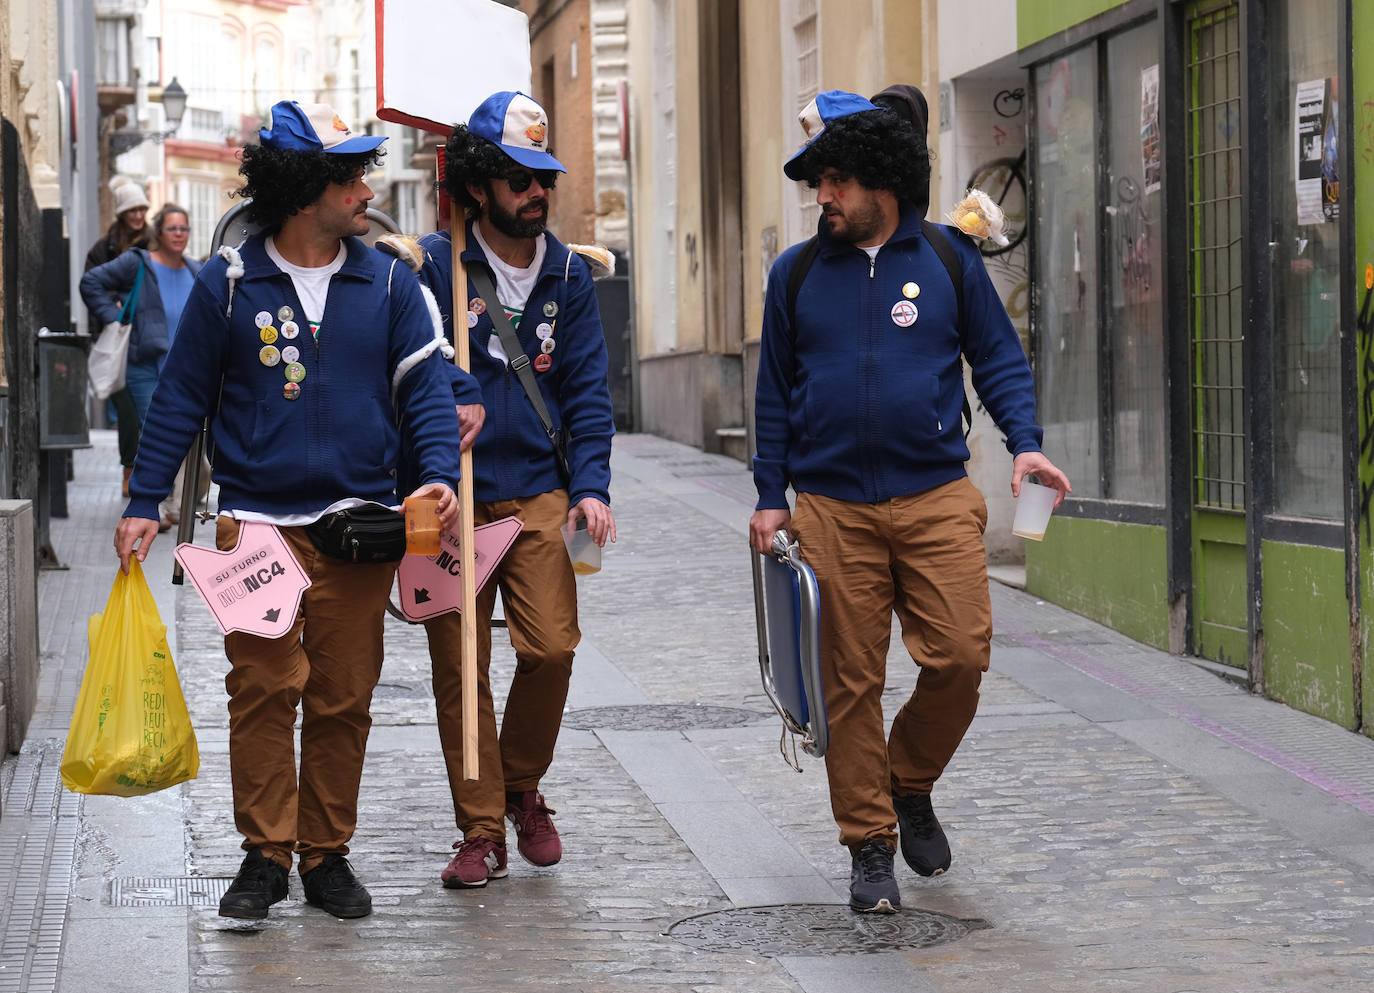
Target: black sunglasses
520 181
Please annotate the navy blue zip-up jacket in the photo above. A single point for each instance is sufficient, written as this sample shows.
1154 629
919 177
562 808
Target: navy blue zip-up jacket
341 437
851 405
105 287
513 457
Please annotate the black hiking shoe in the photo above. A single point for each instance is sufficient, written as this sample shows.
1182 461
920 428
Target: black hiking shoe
872 887
260 883
332 887
924 845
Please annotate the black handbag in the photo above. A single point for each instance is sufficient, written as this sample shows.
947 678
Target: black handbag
360 534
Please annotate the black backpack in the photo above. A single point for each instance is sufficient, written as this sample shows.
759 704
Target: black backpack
948 256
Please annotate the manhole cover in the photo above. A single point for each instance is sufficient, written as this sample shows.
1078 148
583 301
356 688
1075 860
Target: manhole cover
168 891
660 717
818 929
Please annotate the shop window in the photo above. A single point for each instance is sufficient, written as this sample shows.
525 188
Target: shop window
1305 205
1098 319
1066 317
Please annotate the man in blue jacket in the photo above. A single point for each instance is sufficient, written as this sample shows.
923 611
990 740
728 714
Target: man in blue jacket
306 352
498 169
858 409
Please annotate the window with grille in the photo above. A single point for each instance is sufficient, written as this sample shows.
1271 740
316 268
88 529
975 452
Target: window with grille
1215 187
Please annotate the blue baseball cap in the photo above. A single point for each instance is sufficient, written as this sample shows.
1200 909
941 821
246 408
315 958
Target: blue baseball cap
828 106
313 127
518 126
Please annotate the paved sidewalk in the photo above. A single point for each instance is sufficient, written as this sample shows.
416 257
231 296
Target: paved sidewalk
1121 819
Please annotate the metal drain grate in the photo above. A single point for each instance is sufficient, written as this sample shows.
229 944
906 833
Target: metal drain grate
660 717
168 891
818 929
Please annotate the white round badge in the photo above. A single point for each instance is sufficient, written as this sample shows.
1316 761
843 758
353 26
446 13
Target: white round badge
903 313
262 319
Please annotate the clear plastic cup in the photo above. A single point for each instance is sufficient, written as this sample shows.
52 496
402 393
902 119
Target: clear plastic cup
1033 509
584 552
422 525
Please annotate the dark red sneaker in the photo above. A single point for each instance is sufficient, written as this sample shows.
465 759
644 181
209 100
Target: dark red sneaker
536 837
478 860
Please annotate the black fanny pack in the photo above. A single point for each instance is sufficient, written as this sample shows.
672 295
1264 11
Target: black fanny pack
360 534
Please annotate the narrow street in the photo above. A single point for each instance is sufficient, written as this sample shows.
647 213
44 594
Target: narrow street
1121 818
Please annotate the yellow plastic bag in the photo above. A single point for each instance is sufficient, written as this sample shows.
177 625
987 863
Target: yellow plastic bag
130 732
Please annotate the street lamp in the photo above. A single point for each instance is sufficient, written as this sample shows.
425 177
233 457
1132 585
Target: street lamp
173 109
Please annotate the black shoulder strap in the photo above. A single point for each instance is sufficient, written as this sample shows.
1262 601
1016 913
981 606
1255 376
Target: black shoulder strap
955 268
797 276
515 352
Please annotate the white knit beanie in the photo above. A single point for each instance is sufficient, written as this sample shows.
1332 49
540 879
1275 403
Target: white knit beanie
128 195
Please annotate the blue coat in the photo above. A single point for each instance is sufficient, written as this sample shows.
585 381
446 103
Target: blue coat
104 289
854 406
513 456
341 437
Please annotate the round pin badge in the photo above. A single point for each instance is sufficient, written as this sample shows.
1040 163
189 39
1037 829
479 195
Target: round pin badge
542 363
472 319
268 335
477 305
544 331
546 346
285 313
903 313
262 319
550 309
911 291
292 391
295 372
290 353
289 329
269 356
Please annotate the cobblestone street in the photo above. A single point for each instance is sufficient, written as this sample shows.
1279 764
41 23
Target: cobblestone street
1121 819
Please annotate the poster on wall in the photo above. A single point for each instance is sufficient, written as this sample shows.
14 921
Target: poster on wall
1149 127
1314 151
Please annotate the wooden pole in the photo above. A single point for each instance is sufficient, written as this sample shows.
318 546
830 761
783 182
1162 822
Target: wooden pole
466 550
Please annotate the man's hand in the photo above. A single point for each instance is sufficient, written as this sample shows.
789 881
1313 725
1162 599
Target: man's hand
1035 464
764 524
471 417
600 520
134 536
448 503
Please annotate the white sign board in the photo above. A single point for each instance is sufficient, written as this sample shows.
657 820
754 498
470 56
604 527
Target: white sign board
438 59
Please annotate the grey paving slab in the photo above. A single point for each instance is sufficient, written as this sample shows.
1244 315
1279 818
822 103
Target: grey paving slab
848 973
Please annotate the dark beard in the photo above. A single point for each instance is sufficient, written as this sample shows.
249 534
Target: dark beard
514 226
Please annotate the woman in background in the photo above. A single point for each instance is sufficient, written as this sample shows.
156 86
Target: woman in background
168 275
130 229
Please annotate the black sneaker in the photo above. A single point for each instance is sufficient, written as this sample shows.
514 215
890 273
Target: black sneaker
872 887
924 845
260 883
332 887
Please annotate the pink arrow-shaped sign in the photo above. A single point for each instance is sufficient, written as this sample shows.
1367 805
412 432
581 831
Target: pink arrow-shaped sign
431 585
255 587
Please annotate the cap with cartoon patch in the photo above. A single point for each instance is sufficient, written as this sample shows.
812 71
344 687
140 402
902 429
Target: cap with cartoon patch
827 107
313 127
518 125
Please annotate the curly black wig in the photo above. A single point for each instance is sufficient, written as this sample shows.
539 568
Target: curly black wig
876 147
281 182
470 158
